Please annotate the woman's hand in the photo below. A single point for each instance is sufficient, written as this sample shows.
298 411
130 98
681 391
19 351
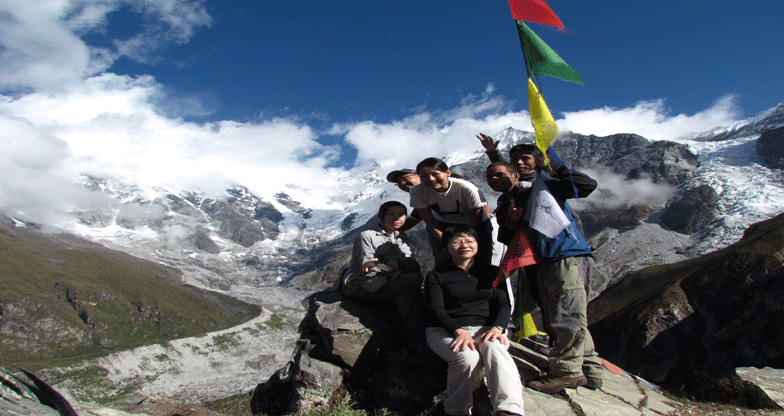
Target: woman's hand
494 334
368 265
462 341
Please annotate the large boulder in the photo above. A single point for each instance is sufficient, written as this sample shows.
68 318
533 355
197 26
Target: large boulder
365 339
355 348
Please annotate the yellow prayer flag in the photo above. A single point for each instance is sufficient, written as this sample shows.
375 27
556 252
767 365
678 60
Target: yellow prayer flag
541 119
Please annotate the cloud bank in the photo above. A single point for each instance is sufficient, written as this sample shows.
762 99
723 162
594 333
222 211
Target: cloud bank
62 116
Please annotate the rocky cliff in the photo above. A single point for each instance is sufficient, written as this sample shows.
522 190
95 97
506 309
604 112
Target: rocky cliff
771 147
689 325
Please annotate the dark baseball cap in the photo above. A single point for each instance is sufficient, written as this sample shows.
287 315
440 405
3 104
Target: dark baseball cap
392 176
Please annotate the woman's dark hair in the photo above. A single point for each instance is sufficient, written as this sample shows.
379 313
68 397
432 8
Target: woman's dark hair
434 163
457 230
382 210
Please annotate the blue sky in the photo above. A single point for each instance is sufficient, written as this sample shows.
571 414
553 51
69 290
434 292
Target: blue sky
205 94
354 60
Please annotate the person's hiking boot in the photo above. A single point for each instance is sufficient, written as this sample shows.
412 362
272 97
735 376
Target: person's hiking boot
593 374
553 384
593 381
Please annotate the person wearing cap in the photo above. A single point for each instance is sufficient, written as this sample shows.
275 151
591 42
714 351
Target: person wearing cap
405 179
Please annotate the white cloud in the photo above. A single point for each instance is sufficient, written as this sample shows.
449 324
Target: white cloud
615 190
424 134
41 44
65 117
651 119
110 126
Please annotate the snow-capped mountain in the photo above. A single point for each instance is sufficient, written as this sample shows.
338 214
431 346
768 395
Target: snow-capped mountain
243 244
259 248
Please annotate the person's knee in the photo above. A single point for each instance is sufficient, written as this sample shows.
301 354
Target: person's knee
492 347
466 360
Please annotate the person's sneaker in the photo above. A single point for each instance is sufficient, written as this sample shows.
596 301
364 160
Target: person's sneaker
553 384
593 381
506 413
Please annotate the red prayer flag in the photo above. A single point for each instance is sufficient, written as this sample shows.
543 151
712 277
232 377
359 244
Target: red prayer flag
536 11
518 255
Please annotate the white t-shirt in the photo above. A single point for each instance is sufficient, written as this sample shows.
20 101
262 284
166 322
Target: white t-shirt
452 206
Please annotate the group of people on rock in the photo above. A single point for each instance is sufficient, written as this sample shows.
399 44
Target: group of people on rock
459 311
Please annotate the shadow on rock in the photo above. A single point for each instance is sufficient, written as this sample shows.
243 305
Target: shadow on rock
353 347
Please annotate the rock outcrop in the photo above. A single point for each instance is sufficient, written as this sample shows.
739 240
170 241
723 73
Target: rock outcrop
355 346
688 326
771 147
693 211
630 155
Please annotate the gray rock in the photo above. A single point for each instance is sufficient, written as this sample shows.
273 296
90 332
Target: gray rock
203 242
379 375
318 381
771 147
233 224
771 380
693 211
630 155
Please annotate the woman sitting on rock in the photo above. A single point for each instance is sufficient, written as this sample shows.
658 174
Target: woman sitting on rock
466 321
382 268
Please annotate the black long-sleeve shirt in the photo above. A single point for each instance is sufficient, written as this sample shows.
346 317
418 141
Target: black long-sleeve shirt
456 298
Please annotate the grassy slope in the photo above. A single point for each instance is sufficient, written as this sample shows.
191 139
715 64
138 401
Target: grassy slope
63 299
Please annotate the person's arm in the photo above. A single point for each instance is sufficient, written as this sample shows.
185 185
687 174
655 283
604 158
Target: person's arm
364 253
501 305
430 222
491 147
486 207
476 217
503 310
570 184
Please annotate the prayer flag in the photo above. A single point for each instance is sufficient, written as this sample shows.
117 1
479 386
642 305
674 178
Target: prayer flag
536 11
541 119
543 212
518 255
540 59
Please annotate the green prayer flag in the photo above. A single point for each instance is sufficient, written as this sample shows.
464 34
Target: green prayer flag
540 59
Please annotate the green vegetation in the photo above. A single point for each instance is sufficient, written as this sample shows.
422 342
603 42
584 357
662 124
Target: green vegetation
276 321
339 405
63 300
237 405
225 341
341 408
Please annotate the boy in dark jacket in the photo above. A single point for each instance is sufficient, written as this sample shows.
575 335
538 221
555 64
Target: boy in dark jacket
561 264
